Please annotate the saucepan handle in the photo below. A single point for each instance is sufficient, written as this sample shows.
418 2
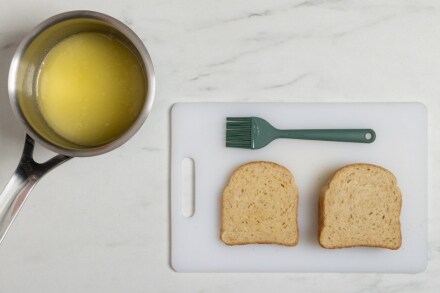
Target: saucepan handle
23 180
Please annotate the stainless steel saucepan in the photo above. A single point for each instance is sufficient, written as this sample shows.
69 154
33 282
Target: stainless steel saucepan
22 93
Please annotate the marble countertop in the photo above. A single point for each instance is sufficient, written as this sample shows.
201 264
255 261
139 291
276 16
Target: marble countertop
101 224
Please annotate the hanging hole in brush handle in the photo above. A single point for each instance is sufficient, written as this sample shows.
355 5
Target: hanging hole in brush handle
23 180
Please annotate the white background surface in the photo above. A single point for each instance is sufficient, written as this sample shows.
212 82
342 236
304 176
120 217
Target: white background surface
101 224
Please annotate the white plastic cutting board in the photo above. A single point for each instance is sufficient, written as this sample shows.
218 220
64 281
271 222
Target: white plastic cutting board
198 132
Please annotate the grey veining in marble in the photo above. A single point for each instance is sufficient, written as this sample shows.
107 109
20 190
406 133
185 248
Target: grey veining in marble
113 235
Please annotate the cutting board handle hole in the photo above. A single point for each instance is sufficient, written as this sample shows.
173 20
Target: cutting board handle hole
187 187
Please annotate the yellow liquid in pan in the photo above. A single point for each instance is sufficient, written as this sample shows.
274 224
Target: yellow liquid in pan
91 88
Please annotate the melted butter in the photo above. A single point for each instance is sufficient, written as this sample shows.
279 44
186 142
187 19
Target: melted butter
91 88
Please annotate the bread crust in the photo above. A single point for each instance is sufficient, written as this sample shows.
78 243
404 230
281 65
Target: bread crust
224 200
322 223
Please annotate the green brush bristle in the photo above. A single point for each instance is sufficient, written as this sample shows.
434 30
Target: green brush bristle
239 132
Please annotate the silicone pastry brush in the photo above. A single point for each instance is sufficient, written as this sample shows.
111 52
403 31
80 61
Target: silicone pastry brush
255 133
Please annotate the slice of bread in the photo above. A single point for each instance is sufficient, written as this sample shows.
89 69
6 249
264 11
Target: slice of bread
360 206
260 205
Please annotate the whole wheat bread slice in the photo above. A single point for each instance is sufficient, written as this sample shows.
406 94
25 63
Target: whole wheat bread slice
260 205
360 206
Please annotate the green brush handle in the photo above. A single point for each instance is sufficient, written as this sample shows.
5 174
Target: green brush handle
346 135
